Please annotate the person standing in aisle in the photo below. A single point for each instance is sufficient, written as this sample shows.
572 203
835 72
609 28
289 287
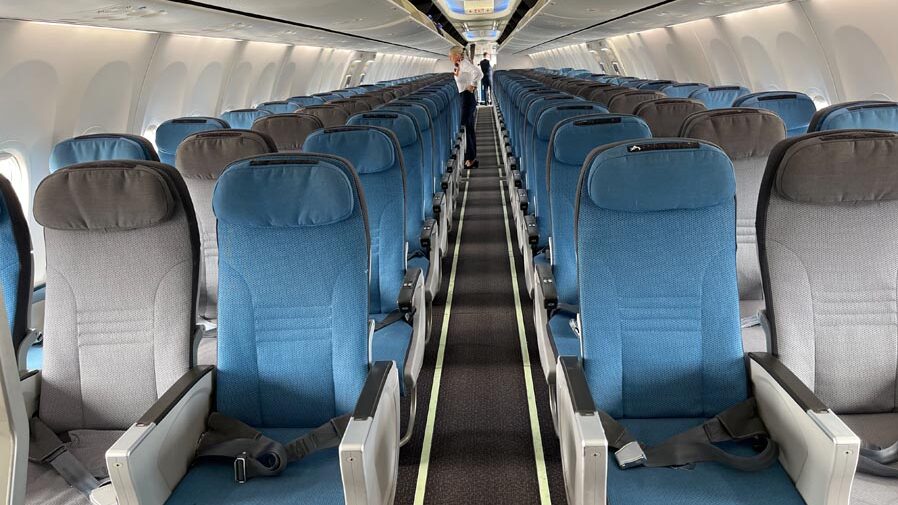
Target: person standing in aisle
467 75
486 83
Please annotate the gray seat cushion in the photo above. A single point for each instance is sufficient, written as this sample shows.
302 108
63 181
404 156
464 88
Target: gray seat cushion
45 486
880 429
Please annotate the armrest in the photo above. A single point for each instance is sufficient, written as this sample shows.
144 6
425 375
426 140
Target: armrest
546 283
410 283
584 448
532 230
818 451
369 451
30 382
450 164
512 162
428 235
522 200
516 177
438 203
147 461
445 181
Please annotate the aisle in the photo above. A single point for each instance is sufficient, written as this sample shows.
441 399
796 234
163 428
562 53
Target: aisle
479 438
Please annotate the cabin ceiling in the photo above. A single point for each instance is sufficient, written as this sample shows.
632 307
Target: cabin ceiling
366 25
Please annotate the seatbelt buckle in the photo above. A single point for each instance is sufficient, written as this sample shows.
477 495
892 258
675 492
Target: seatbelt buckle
630 456
240 468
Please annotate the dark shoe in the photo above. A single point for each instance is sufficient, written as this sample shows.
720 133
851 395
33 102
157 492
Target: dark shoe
475 164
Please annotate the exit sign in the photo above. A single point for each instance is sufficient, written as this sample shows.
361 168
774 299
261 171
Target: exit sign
480 6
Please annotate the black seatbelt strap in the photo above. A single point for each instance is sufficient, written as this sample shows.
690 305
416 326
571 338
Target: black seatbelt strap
256 455
47 448
393 317
738 423
875 460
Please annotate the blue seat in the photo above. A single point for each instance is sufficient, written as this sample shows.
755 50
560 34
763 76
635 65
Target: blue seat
327 97
655 237
683 89
170 133
16 270
101 147
867 114
570 143
657 85
293 352
719 97
242 119
376 156
303 101
278 107
795 109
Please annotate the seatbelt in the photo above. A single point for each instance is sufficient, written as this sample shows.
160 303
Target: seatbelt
46 448
256 455
738 423
875 460
393 317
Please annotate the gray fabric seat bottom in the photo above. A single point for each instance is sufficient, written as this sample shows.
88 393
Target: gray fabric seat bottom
753 338
882 430
207 351
46 487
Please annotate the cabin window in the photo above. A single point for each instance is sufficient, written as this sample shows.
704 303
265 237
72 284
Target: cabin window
347 81
616 66
14 170
602 67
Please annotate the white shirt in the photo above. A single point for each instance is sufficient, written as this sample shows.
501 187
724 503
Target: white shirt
467 74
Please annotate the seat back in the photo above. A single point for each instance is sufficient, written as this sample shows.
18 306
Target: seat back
351 105
243 119
657 85
683 89
305 101
869 115
101 147
719 97
570 143
16 269
372 100
330 115
327 97
201 159
827 241
170 134
278 107
288 131
665 116
659 306
122 269
424 119
747 136
795 109
292 347
626 103
375 154
604 95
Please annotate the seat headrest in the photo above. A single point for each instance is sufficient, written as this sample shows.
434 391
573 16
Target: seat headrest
795 109
278 107
740 131
552 115
330 115
242 119
205 155
626 102
573 139
369 149
286 191
665 116
836 167
101 147
538 106
170 133
659 174
288 131
106 195
868 114
719 96
302 101
418 110
399 122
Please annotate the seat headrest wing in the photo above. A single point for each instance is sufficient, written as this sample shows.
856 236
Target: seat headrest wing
575 138
101 147
285 191
741 132
400 123
107 195
205 155
369 149
659 174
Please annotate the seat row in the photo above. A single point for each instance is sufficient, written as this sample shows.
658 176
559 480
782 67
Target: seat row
304 276
644 253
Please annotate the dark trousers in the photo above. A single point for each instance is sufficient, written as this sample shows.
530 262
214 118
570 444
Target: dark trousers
485 91
468 120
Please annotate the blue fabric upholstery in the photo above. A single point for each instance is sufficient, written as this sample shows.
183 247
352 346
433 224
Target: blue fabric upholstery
303 101
419 262
314 481
418 180
327 97
566 341
872 115
170 133
375 155
683 90
100 147
706 483
278 107
572 141
795 109
536 174
424 119
391 343
719 97
15 261
659 304
655 85
292 348
243 119
533 155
